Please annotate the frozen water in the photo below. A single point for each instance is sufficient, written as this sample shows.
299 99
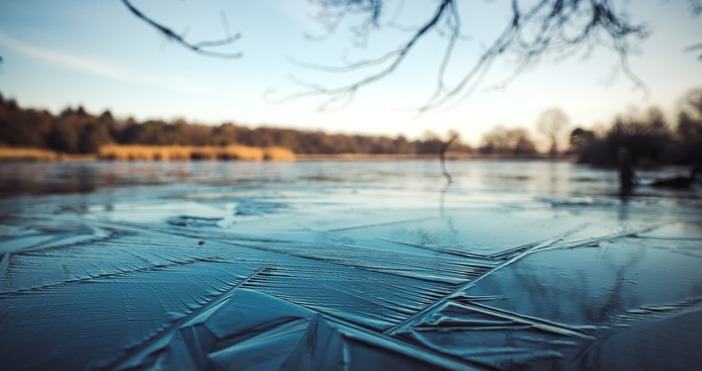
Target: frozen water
345 265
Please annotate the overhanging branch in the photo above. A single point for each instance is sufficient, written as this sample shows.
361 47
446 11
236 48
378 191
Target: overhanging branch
202 47
547 27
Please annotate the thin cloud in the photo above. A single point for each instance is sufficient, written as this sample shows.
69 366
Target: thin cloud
66 59
91 66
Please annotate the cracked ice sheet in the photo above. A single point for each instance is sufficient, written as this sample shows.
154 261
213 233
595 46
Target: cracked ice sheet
66 266
456 230
257 329
337 251
76 326
136 261
590 285
559 308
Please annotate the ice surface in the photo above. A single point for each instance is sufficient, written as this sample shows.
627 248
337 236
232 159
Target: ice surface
344 265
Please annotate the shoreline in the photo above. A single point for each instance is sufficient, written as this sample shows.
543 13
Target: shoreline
450 156
155 154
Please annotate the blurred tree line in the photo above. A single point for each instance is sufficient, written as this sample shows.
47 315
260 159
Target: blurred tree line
507 142
650 138
517 142
79 132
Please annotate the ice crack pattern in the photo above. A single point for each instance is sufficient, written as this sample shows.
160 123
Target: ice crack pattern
383 268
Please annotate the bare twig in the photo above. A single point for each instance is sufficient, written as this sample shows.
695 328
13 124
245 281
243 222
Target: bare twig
535 29
695 7
201 47
394 58
694 48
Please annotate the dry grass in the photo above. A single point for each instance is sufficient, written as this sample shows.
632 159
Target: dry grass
27 154
182 153
278 154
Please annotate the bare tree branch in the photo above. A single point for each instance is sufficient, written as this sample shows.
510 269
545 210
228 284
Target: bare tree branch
535 30
202 47
693 48
394 58
695 7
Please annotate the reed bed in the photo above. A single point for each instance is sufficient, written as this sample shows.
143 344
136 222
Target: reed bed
185 153
27 154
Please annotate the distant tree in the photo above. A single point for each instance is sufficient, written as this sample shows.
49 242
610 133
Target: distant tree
288 138
647 137
38 128
494 141
65 137
152 132
106 117
579 138
69 131
347 144
94 135
403 146
23 128
9 112
244 136
453 143
430 143
689 128
114 127
224 134
522 143
690 116
502 141
552 124
197 135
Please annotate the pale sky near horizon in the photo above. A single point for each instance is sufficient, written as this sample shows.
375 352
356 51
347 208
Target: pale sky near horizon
98 55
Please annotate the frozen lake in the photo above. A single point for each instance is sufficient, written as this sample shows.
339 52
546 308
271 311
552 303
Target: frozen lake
346 265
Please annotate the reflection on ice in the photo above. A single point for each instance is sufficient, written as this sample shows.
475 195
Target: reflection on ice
331 265
228 218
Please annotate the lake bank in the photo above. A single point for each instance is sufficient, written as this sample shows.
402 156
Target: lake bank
152 153
237 153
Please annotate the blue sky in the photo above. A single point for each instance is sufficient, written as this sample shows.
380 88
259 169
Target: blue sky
96 54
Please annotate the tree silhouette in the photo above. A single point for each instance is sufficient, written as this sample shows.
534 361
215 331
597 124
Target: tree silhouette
647 138
77 131
502 141
689 128
552 124
579 138
690 116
